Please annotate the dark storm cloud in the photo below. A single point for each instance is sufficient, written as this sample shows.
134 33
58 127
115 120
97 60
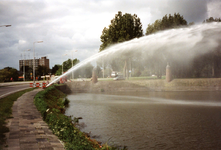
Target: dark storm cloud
191 10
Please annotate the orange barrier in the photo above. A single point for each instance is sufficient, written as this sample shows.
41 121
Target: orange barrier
31 84
44 85
40 85
37 84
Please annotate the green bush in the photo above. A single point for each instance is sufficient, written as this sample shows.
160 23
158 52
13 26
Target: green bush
66 102
51 104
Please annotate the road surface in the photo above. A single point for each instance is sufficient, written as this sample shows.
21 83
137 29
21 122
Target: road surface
12 88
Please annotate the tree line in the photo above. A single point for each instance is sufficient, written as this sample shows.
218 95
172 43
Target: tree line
167 22
125 27
83 72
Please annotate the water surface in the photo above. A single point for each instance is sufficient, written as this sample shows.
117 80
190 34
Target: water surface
151 120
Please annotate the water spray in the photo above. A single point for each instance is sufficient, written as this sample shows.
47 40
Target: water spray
183 44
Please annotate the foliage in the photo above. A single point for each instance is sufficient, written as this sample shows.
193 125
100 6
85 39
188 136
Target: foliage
68 64
42 70
57 69
205 65
7 73
6 111
211 19
167 22
28 72
85 71
51 105
108 64
191 23
122 28
66 102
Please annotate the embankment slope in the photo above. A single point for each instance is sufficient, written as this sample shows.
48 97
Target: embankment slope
211 84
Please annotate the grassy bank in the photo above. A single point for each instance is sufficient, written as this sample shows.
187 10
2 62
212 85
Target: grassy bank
51 103
6 104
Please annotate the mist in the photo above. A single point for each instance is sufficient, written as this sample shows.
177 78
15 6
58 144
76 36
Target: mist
179 48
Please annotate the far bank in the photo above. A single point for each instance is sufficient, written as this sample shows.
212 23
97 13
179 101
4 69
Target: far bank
201 84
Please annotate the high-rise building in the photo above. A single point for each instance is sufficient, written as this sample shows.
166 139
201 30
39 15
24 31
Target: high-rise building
43 61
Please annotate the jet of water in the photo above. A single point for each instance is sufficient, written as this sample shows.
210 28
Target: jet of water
182 44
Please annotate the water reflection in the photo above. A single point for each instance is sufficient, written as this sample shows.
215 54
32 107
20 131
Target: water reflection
153 120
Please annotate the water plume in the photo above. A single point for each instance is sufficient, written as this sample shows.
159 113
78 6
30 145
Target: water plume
182 45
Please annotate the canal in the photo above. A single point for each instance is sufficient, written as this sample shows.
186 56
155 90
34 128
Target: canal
151 120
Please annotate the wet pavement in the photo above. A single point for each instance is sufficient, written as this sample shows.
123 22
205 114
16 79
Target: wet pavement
28 131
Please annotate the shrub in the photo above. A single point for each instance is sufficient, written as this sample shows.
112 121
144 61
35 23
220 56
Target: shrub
51 103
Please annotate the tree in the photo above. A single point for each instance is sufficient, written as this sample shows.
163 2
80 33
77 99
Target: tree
57 69
85 71
42 70
191 23
8 73
214 62
211 19
54 69
122 28
166 23
68 64
28 73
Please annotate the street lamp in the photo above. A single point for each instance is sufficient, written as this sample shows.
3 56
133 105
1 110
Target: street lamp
34 58
24 64
72 64
5 25
63 62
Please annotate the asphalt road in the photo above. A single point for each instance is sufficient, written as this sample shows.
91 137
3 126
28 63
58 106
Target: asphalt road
12 88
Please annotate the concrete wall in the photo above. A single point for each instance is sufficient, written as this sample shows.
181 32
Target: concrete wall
104 86
146 85
181 84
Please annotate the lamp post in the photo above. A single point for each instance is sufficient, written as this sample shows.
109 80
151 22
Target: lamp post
63 62
34 58
72 64
24 64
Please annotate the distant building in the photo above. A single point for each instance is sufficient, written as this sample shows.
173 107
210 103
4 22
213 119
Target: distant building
43 61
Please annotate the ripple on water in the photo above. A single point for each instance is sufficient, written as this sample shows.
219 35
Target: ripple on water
140 123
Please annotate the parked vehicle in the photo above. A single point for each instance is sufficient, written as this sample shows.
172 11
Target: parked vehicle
119 77
114 74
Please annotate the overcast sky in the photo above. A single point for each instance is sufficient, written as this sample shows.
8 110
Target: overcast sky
69 25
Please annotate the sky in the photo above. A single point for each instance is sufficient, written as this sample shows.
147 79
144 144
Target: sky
74 27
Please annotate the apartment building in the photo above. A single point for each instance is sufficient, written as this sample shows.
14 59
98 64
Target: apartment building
43 61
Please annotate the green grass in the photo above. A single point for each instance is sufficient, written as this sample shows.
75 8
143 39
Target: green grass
145 78
6 104
133 78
